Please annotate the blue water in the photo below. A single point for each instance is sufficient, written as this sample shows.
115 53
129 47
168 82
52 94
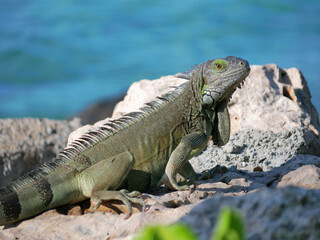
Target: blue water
58 57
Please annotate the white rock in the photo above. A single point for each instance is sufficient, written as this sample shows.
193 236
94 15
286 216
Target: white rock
144 91
273 99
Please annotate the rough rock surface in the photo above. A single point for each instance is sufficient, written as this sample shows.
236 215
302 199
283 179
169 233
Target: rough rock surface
306 177
288 213
274 143
251 148
26 143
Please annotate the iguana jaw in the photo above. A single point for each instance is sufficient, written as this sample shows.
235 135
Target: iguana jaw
221 77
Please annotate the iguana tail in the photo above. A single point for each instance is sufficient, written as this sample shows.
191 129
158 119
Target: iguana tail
47 187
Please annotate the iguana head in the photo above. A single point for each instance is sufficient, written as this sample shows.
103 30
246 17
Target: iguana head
221 77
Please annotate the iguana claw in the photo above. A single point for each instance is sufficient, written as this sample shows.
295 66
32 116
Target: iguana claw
126 197
132 197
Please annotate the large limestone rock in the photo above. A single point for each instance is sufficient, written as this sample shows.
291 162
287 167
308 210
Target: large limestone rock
274 99
274 144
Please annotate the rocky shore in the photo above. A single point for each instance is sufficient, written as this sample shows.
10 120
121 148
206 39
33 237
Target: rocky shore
270 169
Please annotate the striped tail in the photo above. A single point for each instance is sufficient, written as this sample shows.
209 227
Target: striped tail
47 187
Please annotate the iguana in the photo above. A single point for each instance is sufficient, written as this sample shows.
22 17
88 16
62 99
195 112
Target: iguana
136 152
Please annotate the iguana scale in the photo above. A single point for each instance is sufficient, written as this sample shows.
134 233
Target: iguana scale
136 151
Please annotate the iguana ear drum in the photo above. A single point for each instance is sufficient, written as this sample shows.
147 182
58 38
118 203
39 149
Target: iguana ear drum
205 81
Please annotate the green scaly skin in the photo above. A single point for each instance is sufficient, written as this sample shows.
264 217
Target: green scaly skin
135 152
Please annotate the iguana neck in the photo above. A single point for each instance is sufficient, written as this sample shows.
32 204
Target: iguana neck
195 94
190 97
196 83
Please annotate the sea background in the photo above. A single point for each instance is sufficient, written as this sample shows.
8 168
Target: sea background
59 57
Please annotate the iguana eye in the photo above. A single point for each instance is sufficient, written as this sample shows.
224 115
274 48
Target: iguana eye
219 65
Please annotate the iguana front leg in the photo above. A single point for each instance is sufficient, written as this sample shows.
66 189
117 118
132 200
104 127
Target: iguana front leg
187 172
192 142
100 181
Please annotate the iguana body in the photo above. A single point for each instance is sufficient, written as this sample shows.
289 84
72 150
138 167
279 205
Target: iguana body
135 151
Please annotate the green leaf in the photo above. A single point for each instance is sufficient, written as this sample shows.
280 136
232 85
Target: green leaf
172 232
229 226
